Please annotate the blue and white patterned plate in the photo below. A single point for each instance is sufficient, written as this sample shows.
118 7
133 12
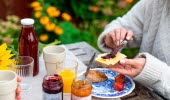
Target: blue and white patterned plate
105 89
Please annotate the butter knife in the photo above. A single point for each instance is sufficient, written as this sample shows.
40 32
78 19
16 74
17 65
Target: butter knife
114 51
88 67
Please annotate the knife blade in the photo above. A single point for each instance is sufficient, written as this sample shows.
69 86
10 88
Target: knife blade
90 63
88 68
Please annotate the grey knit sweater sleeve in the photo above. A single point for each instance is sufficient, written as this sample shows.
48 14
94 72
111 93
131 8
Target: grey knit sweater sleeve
155 74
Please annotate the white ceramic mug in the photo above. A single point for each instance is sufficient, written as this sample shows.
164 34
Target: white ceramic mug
8 85
53 55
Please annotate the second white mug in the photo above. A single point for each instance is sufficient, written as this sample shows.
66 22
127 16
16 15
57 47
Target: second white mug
53 55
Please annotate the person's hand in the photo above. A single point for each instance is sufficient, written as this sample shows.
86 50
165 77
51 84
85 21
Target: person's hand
114 37
129 67
18 90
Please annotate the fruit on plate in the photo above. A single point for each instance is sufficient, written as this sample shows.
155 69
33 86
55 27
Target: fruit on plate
120 78
118 86
96 76
111 61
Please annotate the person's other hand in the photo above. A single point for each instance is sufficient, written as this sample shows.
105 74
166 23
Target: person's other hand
129 67
18 90
114 37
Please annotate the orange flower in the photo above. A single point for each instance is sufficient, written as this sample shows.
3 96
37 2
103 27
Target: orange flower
37 14
66 16
50 26
51 9
38 8
44 20
43 37
58 30
56 13
53 12
129 1
95 9
35 4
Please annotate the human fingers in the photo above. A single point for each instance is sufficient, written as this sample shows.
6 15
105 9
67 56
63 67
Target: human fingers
117 35
137 63
109 41
123 34
129 35
127 67
19 79
130 62
18 97
18 91
119 70
113 35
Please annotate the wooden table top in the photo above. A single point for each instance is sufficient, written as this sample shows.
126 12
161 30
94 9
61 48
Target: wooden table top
82 50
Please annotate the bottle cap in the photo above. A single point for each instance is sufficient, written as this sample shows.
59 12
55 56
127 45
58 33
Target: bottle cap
27 21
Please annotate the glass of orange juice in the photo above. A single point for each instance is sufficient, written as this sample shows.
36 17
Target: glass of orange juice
68 71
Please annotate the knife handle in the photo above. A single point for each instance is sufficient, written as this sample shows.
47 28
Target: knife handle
124 42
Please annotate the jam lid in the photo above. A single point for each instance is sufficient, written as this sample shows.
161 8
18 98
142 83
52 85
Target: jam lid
27 21
52 84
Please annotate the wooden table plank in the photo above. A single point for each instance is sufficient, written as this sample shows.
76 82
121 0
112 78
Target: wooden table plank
84 51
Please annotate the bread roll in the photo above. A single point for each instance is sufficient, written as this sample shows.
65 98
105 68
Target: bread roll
96 76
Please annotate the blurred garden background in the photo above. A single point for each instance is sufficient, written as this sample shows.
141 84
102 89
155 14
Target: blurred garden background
61 21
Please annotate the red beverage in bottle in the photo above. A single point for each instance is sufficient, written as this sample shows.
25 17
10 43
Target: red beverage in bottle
28 43
52 87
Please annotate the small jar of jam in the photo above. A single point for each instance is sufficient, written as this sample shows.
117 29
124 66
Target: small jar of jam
81 89
52 87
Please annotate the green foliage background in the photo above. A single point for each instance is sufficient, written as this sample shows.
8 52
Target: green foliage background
86 24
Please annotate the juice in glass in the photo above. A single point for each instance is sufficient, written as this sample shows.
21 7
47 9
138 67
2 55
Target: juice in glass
67 76
67 70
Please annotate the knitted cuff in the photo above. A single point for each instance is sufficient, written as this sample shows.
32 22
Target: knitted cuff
151 71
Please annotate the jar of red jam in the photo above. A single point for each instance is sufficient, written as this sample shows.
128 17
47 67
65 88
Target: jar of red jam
80 89
52 87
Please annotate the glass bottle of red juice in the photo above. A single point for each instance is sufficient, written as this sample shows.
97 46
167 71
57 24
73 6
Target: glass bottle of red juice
28 43
52 87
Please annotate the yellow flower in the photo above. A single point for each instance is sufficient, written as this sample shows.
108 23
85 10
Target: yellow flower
38 8
53 12
4 68
66 16
50 26
44 20
37 14
43 37
129 1
3 49
95 9
5 57
5 62
58 30
35 4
